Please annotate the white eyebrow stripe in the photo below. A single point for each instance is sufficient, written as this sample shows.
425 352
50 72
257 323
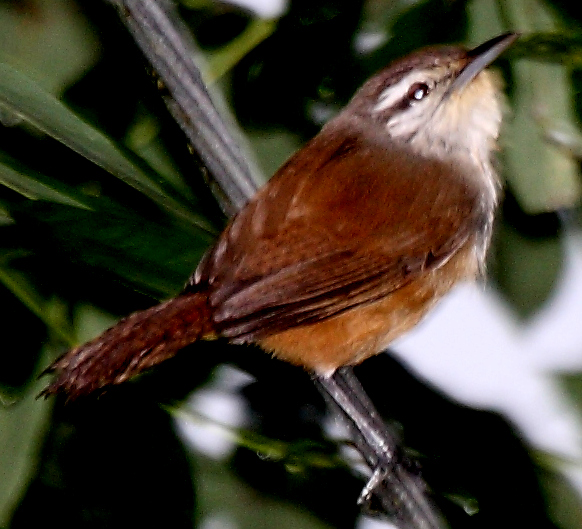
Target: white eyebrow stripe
396 92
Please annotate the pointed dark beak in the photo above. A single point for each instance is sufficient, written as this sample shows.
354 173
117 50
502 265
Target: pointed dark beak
481 57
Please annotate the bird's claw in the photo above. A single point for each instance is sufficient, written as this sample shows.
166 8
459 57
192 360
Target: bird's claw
375 480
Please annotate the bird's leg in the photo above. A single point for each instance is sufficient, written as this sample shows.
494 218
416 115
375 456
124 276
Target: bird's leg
369 433
373 483
399 491
365 416
347 394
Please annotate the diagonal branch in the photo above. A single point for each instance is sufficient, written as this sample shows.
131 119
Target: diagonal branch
394 487
169 47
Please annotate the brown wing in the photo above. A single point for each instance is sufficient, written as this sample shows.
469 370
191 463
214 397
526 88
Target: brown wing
341 224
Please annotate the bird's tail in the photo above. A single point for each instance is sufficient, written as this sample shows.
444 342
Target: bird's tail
136 343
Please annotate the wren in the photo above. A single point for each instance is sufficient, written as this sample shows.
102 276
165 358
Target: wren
350 243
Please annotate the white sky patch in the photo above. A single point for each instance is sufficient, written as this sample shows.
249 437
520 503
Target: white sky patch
366 522
368 41
262 8
475 349
219 521
214 407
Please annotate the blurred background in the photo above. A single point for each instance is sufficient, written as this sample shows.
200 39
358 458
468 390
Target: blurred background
104 211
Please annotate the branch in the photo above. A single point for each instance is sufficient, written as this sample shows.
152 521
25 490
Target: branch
168 46
170 49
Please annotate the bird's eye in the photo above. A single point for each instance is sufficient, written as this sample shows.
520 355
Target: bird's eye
418 91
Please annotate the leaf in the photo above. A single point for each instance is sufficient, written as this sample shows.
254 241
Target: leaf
23 97
20 286
153 256
551 46
22 426
38 187
143 139
223 60
50 41
562 499
543 176
273 148
527 268
542 173
298 455
226 501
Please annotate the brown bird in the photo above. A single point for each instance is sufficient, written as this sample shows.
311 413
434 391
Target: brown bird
350 243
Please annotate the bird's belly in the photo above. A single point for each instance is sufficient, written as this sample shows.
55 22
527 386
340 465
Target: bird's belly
366 330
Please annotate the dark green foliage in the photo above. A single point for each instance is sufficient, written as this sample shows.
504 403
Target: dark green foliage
104 211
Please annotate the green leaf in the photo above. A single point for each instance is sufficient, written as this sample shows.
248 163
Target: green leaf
20 286
22 426
23 97
223 60
35 186
298 455
273 148
143 139
225 500
544 176
561 47
49 41
562 499
526 268
539 163
155 257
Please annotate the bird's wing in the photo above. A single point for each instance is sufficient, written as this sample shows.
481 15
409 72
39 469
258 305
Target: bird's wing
341 224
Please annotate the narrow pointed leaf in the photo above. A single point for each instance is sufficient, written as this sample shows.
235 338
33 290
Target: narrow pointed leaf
22 426
21 96
33 187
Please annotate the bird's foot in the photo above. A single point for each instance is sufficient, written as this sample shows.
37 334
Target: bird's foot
381 472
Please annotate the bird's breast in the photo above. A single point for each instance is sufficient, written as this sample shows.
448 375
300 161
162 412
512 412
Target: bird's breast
361 332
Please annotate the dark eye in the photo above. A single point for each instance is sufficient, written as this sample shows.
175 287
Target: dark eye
418 91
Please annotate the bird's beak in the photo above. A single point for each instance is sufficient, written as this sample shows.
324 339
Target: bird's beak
481 57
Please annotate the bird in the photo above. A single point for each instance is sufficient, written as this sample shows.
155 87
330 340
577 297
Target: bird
350 243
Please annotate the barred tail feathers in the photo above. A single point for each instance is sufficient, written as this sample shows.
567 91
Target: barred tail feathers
136 343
